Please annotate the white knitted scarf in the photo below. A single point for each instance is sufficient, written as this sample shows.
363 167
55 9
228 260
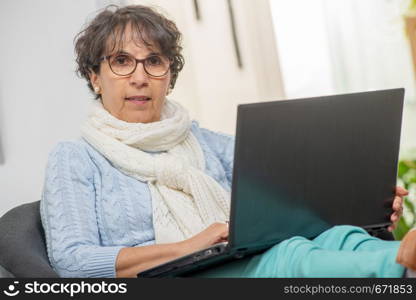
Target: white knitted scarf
185 200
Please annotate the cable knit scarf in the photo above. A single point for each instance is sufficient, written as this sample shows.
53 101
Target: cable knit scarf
167 156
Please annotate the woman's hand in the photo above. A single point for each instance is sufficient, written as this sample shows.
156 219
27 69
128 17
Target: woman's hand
397 207
215 233
133 260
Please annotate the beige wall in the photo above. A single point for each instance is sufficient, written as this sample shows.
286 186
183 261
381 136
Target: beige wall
41 99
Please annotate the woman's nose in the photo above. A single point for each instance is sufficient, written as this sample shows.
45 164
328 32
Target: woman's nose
139 77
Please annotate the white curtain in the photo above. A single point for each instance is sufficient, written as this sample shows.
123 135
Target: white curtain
368 45
342 46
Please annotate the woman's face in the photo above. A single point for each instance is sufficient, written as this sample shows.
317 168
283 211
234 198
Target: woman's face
137 98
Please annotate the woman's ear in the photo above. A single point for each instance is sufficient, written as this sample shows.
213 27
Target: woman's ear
95 82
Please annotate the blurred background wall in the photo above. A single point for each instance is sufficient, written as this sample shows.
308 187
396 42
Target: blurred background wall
287 49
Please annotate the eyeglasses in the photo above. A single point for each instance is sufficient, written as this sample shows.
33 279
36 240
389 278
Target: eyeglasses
124 64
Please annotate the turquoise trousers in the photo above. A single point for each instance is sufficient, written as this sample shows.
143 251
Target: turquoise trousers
342 251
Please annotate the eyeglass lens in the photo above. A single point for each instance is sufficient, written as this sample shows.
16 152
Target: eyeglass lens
125 64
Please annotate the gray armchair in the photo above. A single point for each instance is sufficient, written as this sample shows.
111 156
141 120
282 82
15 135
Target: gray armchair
22 244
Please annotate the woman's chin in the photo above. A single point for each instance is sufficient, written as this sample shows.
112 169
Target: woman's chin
140 118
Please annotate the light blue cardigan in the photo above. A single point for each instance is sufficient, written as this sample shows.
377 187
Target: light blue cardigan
90 210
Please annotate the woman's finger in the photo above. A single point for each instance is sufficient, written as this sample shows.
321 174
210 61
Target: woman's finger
401 191
398 204
394 217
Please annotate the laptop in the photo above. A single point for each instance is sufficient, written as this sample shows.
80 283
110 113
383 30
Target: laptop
302 166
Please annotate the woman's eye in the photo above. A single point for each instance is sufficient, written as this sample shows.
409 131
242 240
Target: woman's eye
121 60
154 60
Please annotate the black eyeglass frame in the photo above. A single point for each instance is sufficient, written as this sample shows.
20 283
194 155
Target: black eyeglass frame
137 61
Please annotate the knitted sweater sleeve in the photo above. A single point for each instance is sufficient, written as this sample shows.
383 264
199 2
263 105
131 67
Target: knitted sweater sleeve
69 217
223 147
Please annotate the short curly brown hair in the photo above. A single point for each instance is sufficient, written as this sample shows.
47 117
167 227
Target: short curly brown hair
106 32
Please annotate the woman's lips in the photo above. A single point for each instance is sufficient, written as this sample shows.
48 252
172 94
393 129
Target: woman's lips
140 100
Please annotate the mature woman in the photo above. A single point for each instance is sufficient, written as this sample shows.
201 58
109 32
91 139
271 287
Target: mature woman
145 185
